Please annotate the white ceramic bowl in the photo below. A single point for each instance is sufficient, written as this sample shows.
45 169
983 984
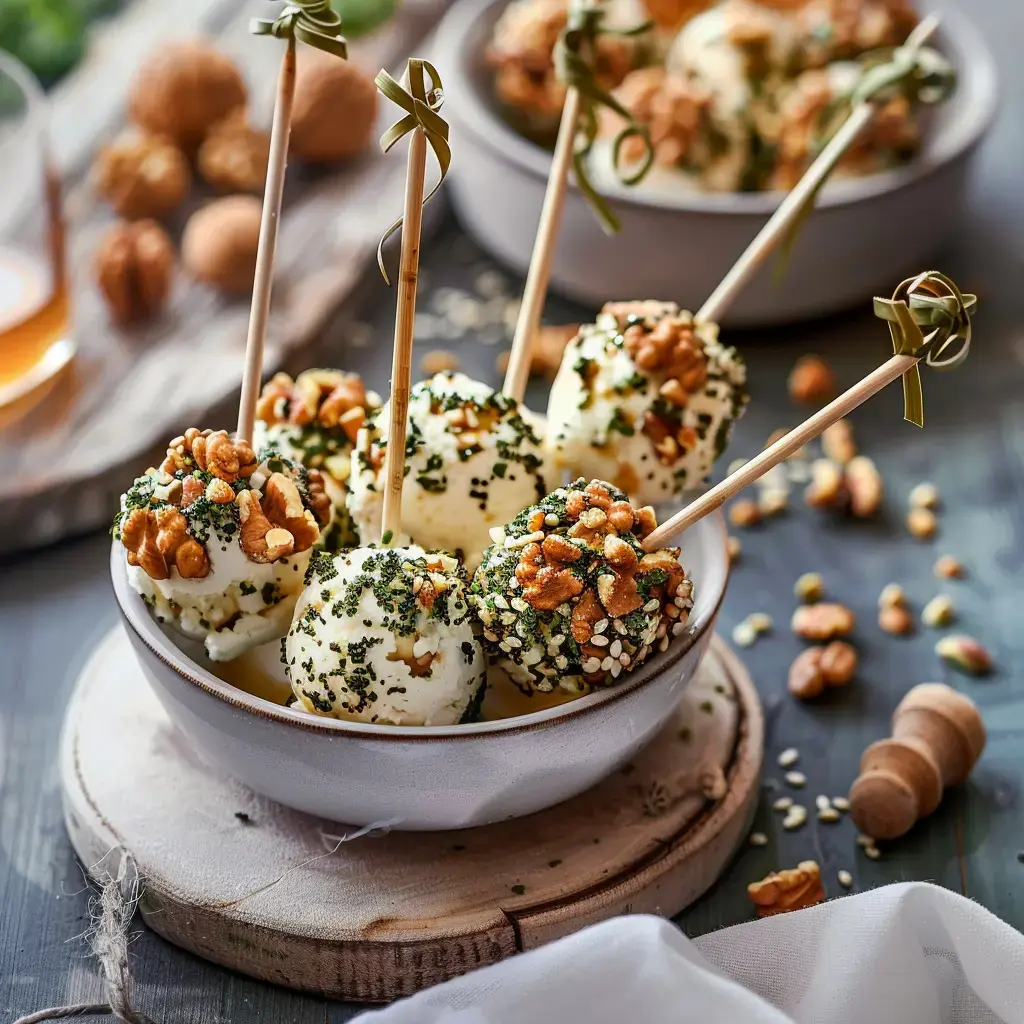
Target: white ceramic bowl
867 234
441 777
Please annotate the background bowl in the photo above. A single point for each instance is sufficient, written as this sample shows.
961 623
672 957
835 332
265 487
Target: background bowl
866 234
442 777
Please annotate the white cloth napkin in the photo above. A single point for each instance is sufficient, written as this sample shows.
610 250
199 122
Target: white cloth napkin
903 954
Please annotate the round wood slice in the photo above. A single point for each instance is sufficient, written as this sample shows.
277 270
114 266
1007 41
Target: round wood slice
318 906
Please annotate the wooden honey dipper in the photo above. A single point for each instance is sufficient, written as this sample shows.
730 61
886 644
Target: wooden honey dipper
937 736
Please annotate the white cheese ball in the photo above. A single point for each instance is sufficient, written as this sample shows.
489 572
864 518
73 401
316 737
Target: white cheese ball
385 635
234 602
474 460
645 398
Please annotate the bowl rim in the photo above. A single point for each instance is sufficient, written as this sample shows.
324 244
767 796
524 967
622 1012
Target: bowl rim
977 82
148 632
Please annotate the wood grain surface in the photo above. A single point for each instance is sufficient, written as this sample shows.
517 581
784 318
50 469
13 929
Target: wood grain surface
315 905
56 604
130 390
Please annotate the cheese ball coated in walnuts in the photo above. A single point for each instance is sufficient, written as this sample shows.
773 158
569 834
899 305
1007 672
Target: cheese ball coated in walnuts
182 89
220 243
566 594
335 109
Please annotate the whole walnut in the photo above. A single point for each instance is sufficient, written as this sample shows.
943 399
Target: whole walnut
220 242
184 88
134 269
233 156
141 175
335 109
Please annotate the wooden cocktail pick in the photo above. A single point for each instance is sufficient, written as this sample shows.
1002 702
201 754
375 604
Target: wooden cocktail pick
574 58
930 301
920 72
937 736
424 126
315 23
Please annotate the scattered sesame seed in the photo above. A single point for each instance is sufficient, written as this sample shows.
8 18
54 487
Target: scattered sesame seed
758 839
615 650
734 548
783 803
513 641
821 802
615 669
840 803
599 641
606 665
620 627
789 757
795 817
592 665
872 852
829 814
809 588
600 626
924 495
760 621
795 779
744 635
551 519
845 879
864 840
561 662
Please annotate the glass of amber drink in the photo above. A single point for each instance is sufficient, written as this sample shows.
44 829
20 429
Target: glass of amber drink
35 337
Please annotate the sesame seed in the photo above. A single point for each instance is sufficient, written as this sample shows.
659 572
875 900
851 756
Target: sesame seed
678 628
606 665
558 640
615 669
551 519
513 641
561 662
417 584
783 803
488 635
744 634
599 641
601 625
513 583
828 814
795 818
821 802
592 665
500 602
872 852
652 606
620 627
504 646
845 879
663 644
624 660
789 757
865 841
840 803
528 538
795 779
758 839
497 534
615 649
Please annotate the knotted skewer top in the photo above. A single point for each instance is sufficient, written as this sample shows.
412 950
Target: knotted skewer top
574 57
421 106
930 300
313 22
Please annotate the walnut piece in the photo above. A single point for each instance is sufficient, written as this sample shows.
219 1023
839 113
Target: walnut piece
811 381
283 507
545 586
141 175
156 540
327 396
823 621
260 539
791 889
134 270
819 667
213 452
183 88
234 155
671 349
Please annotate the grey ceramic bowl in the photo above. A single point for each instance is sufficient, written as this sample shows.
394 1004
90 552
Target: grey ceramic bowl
867 234
411 777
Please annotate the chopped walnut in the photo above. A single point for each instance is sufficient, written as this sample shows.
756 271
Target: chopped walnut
234 155
156 540
324 396
673 109
545 586
846 28
141 175
213 452
823 621
811 381
791 889
259 538
671 348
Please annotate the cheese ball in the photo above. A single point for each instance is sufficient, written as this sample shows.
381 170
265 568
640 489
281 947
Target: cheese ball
646 399
218 539
567 596
474 459
314 420
386 635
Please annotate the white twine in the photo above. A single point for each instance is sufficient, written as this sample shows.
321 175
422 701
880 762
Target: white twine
112 914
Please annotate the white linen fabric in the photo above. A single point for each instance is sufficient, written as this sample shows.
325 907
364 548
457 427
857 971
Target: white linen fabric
903 954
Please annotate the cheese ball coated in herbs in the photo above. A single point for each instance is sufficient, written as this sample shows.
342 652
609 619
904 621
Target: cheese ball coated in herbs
474 457
386 635
645 398
567 596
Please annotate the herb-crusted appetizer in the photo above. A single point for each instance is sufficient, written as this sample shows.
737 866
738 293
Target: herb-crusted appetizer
385 635
314 420
474 458
645 398
567 595
217 539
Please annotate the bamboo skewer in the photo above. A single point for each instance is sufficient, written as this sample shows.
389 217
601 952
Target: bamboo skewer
263 280
537 277
772 234
401 364
874 382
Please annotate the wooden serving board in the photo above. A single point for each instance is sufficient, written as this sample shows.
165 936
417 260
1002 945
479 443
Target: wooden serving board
127 392
277 895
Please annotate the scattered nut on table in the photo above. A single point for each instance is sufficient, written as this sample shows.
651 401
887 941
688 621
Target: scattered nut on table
896 619
220 242
823 621
334 111
811 381
791 889
864 486
183 88
837 442
134 270
949 568
924 495
966 653
827 489
234 155
922 523
744 512
141 176
818 667
938 612
438 360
